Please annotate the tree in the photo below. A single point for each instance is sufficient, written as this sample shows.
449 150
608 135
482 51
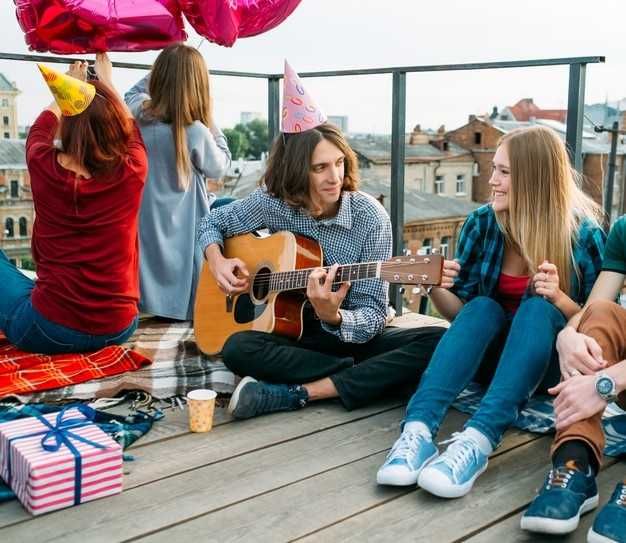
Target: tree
258 136
237 142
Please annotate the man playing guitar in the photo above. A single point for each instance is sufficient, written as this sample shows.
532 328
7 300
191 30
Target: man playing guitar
310 188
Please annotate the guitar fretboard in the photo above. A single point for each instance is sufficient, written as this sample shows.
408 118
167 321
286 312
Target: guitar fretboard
298 279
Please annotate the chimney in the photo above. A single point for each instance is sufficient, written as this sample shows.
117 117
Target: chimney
471 118
494 113
622 120
418 137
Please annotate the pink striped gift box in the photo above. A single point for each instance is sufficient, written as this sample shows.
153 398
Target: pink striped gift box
45 481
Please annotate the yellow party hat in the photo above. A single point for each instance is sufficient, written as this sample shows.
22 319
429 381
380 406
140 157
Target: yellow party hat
72 95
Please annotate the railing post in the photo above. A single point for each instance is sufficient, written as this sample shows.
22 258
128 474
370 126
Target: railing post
273 109
575 113
398 124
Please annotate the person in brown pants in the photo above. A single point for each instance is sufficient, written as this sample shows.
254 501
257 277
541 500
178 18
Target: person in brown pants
592 359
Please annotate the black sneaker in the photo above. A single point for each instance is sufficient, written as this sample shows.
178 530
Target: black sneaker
252 398
610 524
566 494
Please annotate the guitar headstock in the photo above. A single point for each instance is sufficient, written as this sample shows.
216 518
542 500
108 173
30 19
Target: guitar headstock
413 270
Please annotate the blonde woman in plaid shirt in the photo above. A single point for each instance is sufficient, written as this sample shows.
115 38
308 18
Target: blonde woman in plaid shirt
525 264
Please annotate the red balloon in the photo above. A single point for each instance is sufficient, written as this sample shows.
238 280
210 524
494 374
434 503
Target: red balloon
223 21
92 26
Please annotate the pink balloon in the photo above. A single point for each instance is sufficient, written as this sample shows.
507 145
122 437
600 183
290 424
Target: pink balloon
223 21
91 26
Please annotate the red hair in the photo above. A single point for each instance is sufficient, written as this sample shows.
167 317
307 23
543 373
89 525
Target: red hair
98 137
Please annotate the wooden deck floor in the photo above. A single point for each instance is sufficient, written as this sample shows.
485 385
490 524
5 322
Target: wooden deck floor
307 475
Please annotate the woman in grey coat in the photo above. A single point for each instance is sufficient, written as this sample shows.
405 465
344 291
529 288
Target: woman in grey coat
172 105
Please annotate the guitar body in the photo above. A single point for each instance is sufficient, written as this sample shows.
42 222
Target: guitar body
217 317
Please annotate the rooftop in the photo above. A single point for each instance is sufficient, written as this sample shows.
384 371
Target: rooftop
377 149
419 206
12 154
6 85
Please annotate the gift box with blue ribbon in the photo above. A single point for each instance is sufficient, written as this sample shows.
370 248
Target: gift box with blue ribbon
58 460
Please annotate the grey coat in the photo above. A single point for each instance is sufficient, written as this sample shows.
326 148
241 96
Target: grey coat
170 261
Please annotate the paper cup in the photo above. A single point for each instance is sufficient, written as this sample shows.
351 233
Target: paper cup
201 404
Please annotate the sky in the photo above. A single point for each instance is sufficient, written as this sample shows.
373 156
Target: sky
345 34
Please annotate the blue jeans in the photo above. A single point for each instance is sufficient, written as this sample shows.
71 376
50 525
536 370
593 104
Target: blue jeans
523 347
28 330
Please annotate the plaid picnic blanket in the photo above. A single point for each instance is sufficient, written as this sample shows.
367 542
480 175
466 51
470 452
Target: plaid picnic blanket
538 416
22 372
177 367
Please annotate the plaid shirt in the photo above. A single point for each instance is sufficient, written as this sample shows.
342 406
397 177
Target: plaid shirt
481 248
360 232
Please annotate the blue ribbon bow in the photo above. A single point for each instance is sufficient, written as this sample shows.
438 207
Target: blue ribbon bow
58 434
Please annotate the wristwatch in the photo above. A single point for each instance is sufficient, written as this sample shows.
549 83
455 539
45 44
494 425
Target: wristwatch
605 387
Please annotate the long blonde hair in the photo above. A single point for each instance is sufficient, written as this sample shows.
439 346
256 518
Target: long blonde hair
179 95
546 204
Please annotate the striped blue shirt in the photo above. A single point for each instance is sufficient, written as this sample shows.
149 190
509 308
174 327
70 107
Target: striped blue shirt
360 232
481 248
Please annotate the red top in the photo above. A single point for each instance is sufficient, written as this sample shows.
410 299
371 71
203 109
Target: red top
510 290
85 236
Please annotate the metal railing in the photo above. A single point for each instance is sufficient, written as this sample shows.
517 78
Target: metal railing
573 136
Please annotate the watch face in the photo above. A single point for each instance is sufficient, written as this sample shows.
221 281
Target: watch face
604 386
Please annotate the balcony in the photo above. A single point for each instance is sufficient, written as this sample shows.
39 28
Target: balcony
310 475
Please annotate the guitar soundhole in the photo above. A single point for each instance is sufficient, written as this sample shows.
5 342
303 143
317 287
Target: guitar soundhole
261 284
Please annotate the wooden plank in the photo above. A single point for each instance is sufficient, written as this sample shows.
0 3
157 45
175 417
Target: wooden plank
189 451
509 530
419 516
295 510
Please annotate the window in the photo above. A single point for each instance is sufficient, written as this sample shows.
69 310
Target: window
9 231
5 120
446 146
427 247
7 136
478 138
15 188
23 227
5 102
439 184
460 185
444 246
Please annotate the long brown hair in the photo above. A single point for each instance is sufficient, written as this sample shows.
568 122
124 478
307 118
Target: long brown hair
179 95
98 137
546 204
289 164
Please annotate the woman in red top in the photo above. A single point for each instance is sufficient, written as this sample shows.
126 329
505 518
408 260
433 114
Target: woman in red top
84 240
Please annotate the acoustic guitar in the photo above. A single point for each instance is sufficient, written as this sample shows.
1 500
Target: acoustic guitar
279 267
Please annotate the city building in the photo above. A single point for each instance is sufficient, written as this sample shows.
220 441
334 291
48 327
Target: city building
16 203
8 109
432 163
340 121
249 116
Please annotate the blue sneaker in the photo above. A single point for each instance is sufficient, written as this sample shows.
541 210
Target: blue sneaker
566 494
610 524
454 472
409 454
252 398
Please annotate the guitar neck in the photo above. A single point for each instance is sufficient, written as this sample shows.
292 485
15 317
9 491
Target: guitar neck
298 279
